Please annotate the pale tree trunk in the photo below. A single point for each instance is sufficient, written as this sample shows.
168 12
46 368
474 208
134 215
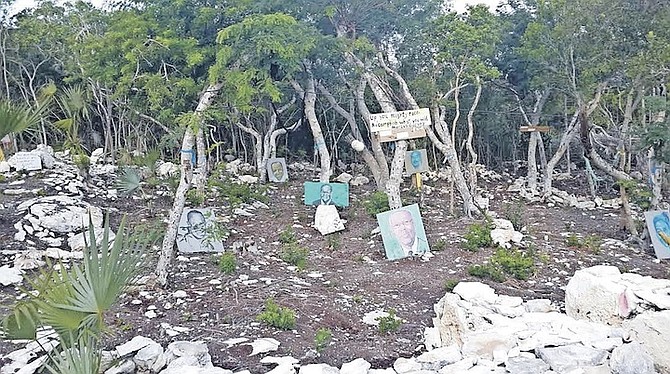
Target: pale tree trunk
355 140
471 131
258 142
200 172
309 98
167 248
375 146
270 139
444 145
535 140
567 137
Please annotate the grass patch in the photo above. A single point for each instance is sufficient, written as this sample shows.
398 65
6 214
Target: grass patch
591 242
277 316
378 202
228 263
287 236
478 236
390 323
506 262
513 212
439 245
295 255
322 339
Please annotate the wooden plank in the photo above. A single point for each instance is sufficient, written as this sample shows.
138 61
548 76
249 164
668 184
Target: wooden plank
534 128
405 120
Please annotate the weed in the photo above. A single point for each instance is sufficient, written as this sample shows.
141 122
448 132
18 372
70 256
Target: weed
572 240
334 242
322 339
195 198
514 213
450 284
378 202
478 236
287 236
235 193
228 263
439 245
514 262
591 242
359 258
295 255
389 323
277 316
487 271
357 299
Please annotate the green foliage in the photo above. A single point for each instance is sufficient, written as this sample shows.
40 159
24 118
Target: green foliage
450 284
638 193
16 118
82 358
591 242
287 236
228 263
322 339
514 262
376 203
128 181
277 316
295 255
487 271
334 241
657 136
514 214
195 198
234 192
478 236
389 323
439 245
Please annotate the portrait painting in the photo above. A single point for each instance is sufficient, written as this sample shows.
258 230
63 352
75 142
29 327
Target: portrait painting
317 193
276 168
403 233
658 224
198 232
416 161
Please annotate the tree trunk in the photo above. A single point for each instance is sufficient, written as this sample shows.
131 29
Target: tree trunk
167 248
471 131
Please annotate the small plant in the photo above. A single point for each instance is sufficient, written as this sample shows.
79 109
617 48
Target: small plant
277 316
334 242
235 193
514 213
295 255
195 198
514 262
439 245
591 242
572 241
322 339
228 263
478 236
357 299
287 236
487 271
389 323
450 284
378 202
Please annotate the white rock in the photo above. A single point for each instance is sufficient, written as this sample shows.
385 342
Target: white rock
180 294
95 156
570 357
10 275
134 345
167 169
357 145
25 161
652 329
357 366
58 253
372 318
593 294
431 337
475 292
318 369
282 369
45 153
125 367
249 179
631 358
459 367
406 365
263 345
147 356
327 219
444 355
344 178
188 353
539 306
63 214
359 181
285 360
505 237
4 166
233 341
78 242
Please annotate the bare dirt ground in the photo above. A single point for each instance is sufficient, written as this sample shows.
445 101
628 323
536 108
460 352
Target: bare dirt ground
346 275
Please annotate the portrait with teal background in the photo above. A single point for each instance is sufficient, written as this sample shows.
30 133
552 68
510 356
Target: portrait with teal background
416 161
317 193
658 224
403 233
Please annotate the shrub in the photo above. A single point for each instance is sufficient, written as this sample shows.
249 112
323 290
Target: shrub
277 316
235 193
322 339
389 323
287 236
478 236
295 255
514 213
514 262
228 263
439 245
378 202
450 284
487 271
334 242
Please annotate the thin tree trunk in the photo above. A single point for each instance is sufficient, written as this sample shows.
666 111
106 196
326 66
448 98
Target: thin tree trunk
167 247
471 132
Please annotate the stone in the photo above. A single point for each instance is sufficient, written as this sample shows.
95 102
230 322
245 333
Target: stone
452 319
282 369
593 294
248 179
25 161
652 329
147 356
10 275
263 345
327 220
5 167
372 318
357 366
459 367
359 181
475 292
539 306
45 153
505 237
285 360
134 345
431 337
344 178
96 156
631 358
125 367
406 365
526 365
570 357
318 369
190 369
57 253
78 241
488 344
64 214
167 169
443 356
188 353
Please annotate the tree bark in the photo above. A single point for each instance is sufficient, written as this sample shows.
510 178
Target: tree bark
167 247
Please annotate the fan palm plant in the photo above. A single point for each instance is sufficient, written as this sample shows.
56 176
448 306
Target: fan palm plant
74 301
15 118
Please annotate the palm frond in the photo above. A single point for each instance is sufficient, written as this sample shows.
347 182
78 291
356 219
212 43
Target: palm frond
128 181
83 357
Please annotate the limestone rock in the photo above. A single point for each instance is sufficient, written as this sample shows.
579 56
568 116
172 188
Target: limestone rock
359 181
476 292
327 220
570 357
10 275
631 358
318 369
592 294
344 178
652 329
25 161
357 366
526 365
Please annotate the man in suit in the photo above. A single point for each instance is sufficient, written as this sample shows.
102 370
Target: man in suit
326 196
402 226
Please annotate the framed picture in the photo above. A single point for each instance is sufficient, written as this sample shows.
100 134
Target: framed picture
317 193
416 161
198 231
403 233
658 224
276 168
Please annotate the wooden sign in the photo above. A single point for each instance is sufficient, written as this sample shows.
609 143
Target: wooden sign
402 125
534 128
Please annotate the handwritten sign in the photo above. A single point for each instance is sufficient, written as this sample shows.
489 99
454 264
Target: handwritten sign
26 161
534 128
406 124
